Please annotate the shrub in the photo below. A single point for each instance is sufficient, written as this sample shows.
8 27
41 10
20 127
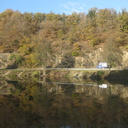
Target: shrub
18 58
74 53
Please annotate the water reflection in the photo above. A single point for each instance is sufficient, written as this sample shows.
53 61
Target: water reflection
62 105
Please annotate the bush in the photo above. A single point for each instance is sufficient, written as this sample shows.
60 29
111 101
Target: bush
75 53
17 58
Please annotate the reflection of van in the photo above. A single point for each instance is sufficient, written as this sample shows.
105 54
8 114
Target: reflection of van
102 65
103 86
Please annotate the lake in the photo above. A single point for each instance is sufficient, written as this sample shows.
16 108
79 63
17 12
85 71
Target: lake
62 104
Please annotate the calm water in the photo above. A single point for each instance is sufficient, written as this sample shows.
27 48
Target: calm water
29 104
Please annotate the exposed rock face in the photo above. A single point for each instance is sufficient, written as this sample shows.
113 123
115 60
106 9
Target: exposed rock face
92 59
125 58
88 60
5 61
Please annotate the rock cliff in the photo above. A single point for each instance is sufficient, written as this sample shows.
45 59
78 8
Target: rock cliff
4 60
93 58
90 59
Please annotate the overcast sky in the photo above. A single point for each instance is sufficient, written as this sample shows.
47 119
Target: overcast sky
61 6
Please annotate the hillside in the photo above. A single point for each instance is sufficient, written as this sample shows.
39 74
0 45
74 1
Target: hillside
39 39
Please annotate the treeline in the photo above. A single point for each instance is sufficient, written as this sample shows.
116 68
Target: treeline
38 37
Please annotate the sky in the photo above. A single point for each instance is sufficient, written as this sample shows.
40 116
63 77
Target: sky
61 6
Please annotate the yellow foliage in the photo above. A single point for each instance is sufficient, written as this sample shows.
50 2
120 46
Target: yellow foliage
76 46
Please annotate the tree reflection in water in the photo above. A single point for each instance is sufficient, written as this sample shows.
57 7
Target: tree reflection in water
36 105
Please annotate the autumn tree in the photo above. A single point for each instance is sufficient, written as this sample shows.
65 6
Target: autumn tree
124 21
13 30
29 34
111 53
42 55
91 17
71 23
106 19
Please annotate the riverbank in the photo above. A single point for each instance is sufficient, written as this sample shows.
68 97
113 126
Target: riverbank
52 72
112 75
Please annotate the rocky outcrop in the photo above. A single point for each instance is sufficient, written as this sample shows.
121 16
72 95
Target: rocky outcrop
88 60
125 58
93 58
5 61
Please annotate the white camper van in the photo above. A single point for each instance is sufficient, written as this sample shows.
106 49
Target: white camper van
102 65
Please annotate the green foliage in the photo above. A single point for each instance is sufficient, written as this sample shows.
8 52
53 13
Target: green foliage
74 53
17 58
92 13
25 49
124 21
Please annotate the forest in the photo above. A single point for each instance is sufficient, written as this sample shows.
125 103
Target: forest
35 39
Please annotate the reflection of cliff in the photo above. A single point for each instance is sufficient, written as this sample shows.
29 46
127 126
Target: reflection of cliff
89 89
55 105
120 77
5 88
89 59
92 90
